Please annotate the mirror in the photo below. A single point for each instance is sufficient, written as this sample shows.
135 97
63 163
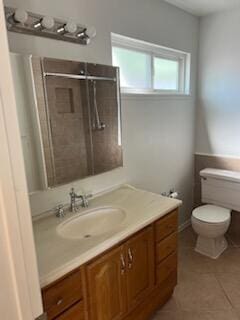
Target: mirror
69 117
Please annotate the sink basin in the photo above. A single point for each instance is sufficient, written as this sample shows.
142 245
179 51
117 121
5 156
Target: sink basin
93 223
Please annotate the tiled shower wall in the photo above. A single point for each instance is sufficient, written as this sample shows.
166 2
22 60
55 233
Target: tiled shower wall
107 149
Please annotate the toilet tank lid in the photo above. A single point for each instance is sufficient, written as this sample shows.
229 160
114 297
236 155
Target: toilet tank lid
221 174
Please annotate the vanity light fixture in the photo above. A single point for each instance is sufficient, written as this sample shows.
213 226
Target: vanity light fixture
91 32
45 23
82 33
20 16
69 27
21 21
87 32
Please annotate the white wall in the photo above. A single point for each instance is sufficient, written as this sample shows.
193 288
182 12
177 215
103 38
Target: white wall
158 133
218 115
20 296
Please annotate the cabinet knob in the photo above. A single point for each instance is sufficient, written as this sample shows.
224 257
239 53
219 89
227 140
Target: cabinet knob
60 301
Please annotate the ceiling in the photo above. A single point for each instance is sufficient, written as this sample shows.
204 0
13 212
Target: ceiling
204 7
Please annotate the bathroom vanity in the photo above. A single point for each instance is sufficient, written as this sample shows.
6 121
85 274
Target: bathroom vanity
116 259
126 272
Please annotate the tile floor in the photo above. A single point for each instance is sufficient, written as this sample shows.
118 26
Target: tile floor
207 289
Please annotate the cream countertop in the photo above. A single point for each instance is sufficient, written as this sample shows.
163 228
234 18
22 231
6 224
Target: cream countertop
58 256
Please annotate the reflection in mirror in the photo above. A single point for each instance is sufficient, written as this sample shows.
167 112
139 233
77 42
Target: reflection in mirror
69 118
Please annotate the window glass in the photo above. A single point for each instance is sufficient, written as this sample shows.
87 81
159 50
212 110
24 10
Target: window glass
147 68
135 68
165 74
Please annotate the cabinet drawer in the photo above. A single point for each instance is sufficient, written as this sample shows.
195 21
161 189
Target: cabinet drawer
165 247
62 294
74 313
166 226
166 267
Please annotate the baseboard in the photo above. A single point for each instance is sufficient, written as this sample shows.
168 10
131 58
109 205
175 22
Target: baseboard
184 225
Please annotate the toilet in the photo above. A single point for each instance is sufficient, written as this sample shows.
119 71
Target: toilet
220 195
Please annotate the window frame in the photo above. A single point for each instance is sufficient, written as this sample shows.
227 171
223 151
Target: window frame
184 59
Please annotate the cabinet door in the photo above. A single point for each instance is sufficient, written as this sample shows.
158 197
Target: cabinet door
107 286
140 265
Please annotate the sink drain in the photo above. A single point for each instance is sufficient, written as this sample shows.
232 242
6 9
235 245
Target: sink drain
87 236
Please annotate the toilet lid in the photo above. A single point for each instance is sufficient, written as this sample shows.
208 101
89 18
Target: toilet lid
211 214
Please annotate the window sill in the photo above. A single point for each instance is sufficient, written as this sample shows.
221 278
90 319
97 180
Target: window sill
155 95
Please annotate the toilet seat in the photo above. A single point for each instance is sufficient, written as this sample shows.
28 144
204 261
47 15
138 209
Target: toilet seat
211 214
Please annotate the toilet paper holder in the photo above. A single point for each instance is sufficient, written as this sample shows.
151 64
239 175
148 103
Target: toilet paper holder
172 193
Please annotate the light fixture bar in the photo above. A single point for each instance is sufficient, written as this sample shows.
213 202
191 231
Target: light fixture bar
25 22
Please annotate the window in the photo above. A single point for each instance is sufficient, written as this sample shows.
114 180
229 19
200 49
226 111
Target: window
148 68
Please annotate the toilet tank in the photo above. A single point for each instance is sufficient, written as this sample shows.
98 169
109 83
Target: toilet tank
221 187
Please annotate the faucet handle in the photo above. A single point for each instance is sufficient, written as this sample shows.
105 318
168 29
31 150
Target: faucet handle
85 198
60 211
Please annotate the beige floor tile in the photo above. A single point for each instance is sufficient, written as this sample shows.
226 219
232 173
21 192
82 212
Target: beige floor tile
168 315
187 238
231 285
172 305
234 229
200 292
234 239
230 241
220 315
191 261
238 312
229 261
207 289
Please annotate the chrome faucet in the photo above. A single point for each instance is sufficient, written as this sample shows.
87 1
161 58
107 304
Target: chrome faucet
83 198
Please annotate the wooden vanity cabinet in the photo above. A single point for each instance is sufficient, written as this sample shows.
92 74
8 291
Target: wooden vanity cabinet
129 281
166 247
107 286
76 312
122 278
140 266
62 294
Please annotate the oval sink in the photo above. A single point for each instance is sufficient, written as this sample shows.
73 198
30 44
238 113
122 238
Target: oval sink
93 223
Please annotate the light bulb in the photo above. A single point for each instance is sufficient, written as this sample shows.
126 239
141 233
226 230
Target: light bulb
70 27
20 16
47 22
91 32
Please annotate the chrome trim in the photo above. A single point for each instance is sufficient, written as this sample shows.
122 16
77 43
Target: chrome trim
123 264
130 258
60 211
77 76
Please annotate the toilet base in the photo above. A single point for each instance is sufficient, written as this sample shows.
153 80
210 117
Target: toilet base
211 247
